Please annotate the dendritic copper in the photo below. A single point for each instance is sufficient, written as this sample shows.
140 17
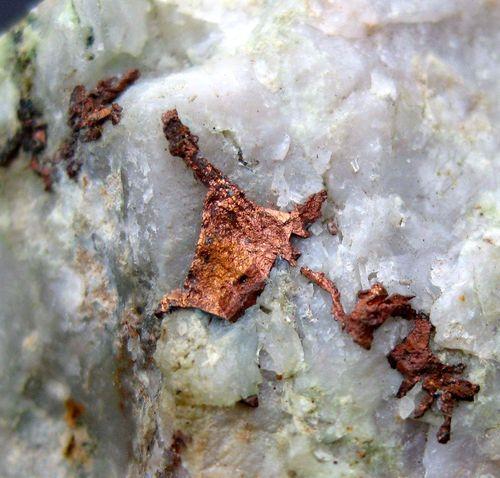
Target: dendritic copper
87 113
373 308
414 359
239 240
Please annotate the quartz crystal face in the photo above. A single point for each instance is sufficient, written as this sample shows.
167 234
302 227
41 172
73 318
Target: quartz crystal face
359 141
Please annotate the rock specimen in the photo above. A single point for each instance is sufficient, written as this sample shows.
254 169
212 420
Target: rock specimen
391 106
239 241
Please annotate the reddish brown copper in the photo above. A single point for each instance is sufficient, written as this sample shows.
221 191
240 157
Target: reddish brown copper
31 136
87 113
414 359
44 169
239 240
373 308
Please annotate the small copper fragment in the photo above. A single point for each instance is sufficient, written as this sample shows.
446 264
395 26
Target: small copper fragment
239 240
332 227
374 307
34 141
414 359
87 113
43 169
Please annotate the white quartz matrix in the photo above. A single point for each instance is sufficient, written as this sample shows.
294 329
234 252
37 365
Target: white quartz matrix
392 106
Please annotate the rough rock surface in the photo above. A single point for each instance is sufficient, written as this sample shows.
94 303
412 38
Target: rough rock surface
391 105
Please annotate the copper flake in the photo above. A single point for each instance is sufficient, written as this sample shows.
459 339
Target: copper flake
374 307
239 240
414 359
88 111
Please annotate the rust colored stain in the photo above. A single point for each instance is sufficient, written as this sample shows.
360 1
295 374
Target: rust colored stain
74 411
239 240
87 113
174 453
414 359
76 449
373 308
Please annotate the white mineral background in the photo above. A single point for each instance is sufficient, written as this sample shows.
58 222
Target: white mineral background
391 105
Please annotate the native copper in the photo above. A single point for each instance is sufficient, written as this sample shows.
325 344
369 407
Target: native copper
239 240
373 308
414 359
87 113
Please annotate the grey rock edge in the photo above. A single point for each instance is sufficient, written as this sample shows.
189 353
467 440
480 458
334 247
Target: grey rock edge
392 106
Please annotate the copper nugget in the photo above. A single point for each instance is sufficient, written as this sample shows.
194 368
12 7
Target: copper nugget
239 240
374 307
414 359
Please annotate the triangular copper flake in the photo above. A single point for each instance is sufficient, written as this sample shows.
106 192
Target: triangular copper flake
239 240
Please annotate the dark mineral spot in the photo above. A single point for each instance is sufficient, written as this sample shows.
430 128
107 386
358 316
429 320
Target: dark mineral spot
252 401
31 138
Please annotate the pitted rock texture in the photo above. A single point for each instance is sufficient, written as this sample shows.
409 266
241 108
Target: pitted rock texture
390 105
